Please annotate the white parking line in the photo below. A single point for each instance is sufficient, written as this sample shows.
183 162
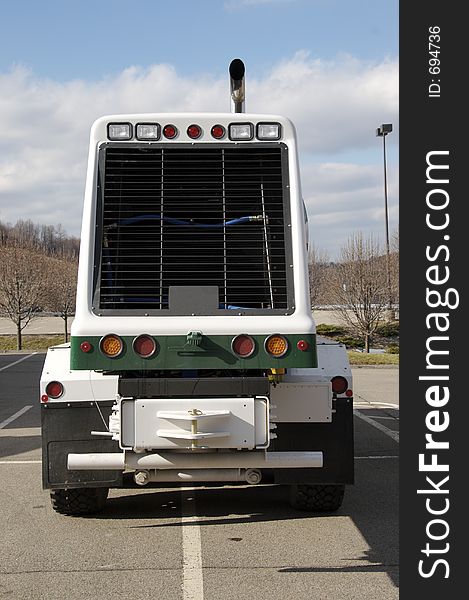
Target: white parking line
15 416
17 361
376 404
389 432
193 583
376 457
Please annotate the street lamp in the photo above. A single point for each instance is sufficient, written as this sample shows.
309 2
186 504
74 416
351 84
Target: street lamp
383 131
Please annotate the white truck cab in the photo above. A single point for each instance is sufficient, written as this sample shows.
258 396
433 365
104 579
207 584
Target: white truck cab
193 353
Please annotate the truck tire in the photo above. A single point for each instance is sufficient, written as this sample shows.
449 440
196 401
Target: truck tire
317 498
80 501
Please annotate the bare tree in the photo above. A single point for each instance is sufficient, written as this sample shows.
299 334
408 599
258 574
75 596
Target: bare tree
62 289
22 277
318 262
359 288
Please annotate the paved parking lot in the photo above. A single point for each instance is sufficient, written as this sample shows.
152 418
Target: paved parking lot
206 543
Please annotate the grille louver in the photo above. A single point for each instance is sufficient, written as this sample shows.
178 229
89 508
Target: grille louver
192 216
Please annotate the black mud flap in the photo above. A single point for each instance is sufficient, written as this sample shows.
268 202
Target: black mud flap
66 428
334 440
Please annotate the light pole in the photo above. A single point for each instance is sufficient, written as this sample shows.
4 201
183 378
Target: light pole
382 131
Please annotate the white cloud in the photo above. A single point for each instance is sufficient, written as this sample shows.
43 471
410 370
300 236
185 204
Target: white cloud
335 105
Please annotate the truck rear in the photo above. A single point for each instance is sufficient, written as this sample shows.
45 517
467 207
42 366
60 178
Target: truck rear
193 354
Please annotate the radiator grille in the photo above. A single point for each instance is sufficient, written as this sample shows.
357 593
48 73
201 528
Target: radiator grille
192 216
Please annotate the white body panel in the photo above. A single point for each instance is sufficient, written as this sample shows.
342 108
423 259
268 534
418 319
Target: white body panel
87 323
79 386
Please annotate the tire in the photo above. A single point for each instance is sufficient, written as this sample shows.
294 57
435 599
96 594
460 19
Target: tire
317 498
79 501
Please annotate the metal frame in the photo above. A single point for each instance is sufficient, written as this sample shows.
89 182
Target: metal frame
98 258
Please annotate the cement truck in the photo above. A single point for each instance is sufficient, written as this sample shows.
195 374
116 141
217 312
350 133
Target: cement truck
193 355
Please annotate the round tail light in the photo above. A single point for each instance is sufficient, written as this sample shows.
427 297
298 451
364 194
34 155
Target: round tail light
54 389
111 345
144 346
302 345
339 384
218 131
276 345
170 131
243 345
194 131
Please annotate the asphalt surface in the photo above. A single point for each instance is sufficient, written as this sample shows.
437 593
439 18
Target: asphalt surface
210 543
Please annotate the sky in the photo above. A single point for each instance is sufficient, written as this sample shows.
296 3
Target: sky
329 65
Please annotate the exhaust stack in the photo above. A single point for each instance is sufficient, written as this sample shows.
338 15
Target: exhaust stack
237 71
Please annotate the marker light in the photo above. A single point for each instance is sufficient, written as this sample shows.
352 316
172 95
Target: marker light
147 131
86 347
218 131
241 131
54 389
119 131
170 131
302 345
243 345
111 345
276 345
268 131
194 131
144 346
339 384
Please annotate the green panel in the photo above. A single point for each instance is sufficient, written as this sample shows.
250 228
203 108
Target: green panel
174 352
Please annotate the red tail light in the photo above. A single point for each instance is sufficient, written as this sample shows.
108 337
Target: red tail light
243 345
145 346
339 384
54 389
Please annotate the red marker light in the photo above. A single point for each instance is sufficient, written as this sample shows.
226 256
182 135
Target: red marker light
349 393
302 345
170 131
86 347
194 131
218 131
44 398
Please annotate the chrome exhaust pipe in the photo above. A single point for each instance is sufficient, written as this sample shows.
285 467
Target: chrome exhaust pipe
237 72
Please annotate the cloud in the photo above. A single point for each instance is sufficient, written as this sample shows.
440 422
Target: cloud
335 105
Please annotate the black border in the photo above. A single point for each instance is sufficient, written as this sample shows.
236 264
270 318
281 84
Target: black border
430 123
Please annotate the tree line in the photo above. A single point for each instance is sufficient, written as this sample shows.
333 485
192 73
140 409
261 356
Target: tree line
38 272
51 240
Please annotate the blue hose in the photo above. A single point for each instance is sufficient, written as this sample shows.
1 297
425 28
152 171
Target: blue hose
172 221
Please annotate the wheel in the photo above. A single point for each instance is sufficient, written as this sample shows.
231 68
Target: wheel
79 501
317 498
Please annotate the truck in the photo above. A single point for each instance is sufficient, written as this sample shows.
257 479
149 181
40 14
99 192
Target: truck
193 354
